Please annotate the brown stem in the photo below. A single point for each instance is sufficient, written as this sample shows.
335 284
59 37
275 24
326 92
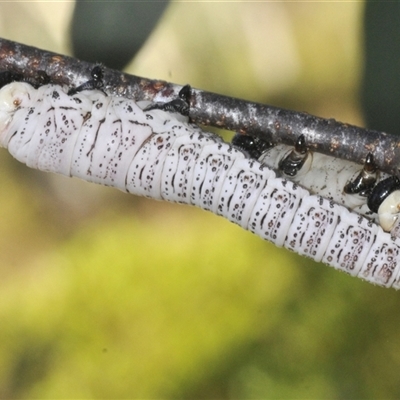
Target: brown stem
326 136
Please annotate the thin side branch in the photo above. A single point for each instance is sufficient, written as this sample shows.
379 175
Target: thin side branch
270 123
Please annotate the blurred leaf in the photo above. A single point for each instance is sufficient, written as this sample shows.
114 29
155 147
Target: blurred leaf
381 81
42 24
112 32
112 322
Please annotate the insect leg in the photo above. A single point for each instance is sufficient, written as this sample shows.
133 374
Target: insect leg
180 105
95 83
365 181
381 191
291 164
252 145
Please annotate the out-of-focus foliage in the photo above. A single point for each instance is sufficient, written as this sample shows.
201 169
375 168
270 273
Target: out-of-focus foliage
143 317
106 295
381 82
38 23
114 33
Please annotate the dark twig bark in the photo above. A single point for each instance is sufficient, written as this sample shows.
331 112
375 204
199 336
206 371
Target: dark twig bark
274 124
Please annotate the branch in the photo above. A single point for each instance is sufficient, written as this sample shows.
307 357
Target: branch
325 136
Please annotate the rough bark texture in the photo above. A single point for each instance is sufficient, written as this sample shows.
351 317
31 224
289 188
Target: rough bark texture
271 123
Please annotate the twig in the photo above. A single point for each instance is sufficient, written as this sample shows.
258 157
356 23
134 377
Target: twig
271 123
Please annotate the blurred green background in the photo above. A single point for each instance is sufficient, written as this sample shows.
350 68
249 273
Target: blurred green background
106 295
